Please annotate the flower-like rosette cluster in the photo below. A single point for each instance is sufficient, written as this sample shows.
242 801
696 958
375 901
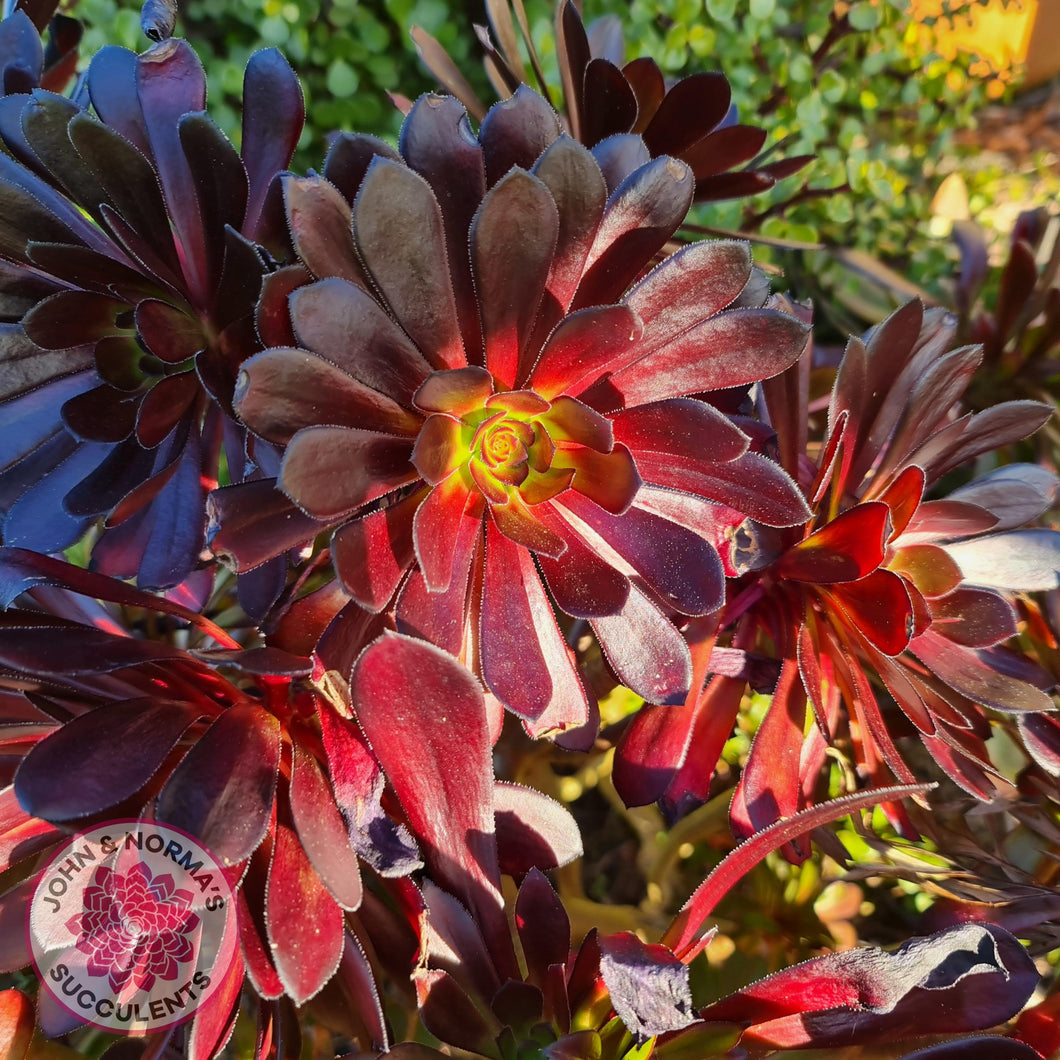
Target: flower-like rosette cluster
498 403
135 927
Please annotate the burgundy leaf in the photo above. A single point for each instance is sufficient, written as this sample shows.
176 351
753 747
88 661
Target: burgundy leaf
273 114
692 108
970 672
358 783
424 716
223 790
304 922
319 219
343 323
543 926
640 217
573 177
81 753
646 651
688 287
515 131
725 350
968 978
513 238
280 391
513 664
533 831
331 471
400 233
849 547
449 1014
322 831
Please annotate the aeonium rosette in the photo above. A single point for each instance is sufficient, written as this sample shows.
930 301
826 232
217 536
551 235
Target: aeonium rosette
490 415
887 613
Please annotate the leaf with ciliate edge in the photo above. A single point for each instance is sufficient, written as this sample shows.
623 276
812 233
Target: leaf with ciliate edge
330 472
303 921
583 346
513 665
543 926
315 212
649 986
688 287
647 653
681 567
342 322
640 217
728 349
322 831
515 132
1017 561
849 547
870 996
399 232
751 484
280 391
223 790
577 186
81 752
533 831
357 783
273 114
969 672
424 717
513 238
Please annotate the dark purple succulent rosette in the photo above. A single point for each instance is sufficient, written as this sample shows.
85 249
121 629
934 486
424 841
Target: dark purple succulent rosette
625 111
883 588
130 265
240 749
486 392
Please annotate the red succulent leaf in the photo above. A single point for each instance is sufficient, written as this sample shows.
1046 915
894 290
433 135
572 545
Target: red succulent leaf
879 608
849 547
533 831
281 391
322 832
424 716
215 1018
577 186
645 650
769 787
640 217
315 211
304 923
449 1014
874 996
684 935
331 471
357 783
969 671
223 791
724 350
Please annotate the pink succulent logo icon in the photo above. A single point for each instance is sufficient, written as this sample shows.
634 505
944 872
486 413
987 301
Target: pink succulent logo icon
135 927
